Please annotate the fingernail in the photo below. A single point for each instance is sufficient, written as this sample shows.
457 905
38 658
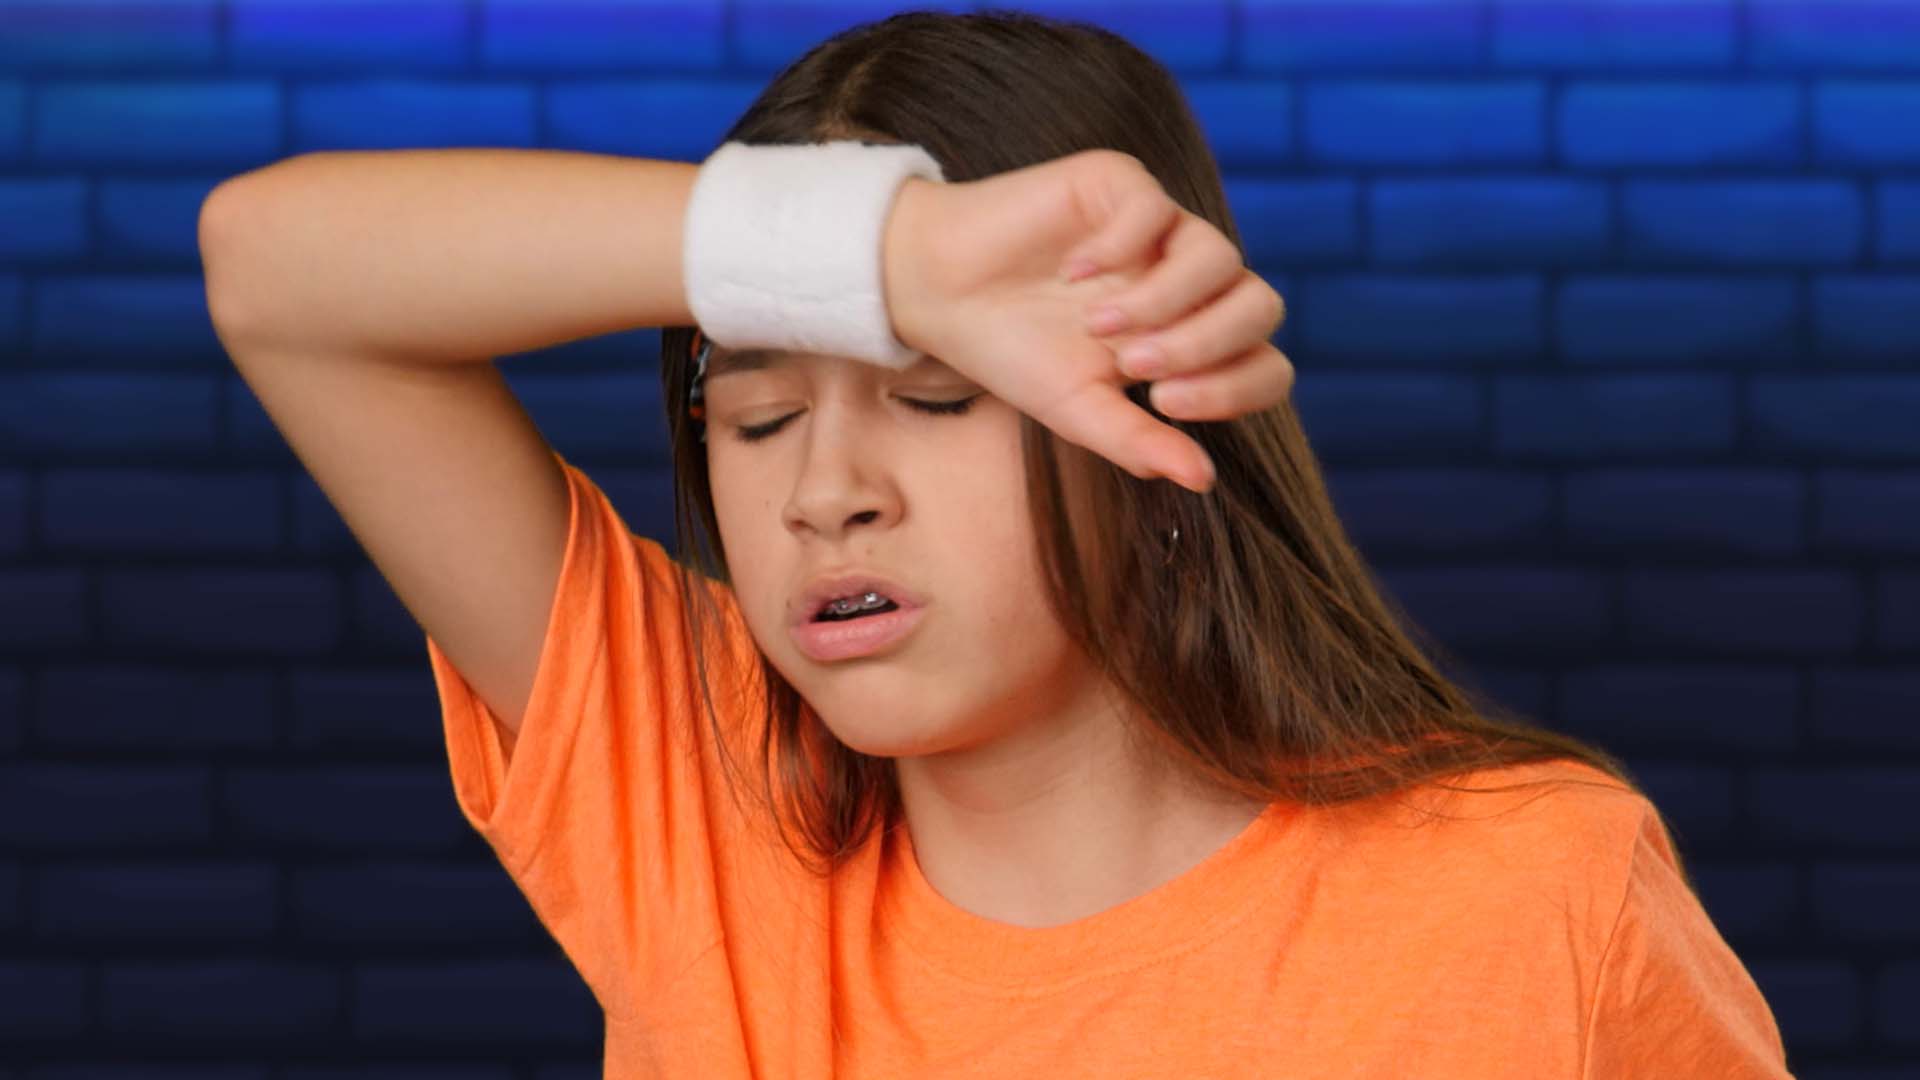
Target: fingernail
1142 360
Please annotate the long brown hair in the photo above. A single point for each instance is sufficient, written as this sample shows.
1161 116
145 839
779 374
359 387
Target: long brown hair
1261 650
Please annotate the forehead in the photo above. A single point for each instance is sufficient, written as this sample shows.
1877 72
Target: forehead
727 362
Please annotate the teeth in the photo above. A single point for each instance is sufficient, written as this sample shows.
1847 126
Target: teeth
849 605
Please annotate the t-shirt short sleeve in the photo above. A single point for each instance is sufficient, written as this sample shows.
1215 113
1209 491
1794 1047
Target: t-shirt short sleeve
605 811
1673 999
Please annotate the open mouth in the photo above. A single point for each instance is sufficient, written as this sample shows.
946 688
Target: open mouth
839 611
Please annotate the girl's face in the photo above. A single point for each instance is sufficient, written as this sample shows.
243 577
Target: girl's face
849 475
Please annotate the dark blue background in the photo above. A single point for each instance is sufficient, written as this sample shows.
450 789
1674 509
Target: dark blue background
1607 324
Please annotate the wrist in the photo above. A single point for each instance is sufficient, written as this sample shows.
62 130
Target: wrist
906 247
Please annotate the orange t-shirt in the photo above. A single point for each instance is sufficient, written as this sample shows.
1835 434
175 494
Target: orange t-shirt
1556 939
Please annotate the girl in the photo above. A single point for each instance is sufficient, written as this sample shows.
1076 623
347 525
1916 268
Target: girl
955 743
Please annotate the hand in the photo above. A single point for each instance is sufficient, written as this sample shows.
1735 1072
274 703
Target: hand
975 276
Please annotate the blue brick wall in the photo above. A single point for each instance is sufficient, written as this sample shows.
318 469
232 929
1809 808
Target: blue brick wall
1607 324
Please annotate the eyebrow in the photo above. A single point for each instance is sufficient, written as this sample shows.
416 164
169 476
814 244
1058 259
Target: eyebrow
744 360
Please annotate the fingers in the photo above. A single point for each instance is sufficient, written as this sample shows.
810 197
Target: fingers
1133 236
1250 311
1101 418
1198 264
1259 378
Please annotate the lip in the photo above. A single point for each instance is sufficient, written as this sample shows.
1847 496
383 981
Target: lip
828 587
824 642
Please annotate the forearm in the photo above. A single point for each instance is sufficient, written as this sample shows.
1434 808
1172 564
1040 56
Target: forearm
445 254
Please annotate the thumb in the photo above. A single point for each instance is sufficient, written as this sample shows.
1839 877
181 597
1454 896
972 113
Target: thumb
1100 417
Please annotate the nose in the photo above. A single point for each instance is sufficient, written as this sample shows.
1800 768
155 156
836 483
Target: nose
842 480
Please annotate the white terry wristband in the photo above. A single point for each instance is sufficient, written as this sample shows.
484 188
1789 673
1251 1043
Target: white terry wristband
782 248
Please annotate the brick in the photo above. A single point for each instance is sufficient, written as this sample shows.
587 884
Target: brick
1861 319
108 511
1775 613
1685 512
1866 708
1897 596
1527 692
173 903
359 809
1679 320
1247 123
46 218
1565 35
100 416
13 512
567 36
252 1002
1443 510
111 320
1425 123
1364 35
1896 1002
45 609
365 710
140 706
1857 417
1815 1004
1506 610
67 808
1749 900
56 36
1866 124
1673 123
411 1071
153 219
13 121
679 119
296 36
1899 205
13 317
1739 223
1824 807
409 905
1612 416
617 416
257 612
1705 709
13 898
770 34
1510 222
1296 222
1832 35
13 722
474 1004
387 115
1697 803
164 123
1417 320
1867 903
1389 418
1862 512
46 1001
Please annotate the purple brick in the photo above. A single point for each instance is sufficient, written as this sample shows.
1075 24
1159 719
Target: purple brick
135 511
1870 124
1866 708
1898 600
1784 613
1749 900
42 609
103 807
46 218
1896 1002
63 36
1867 903
1681 511
1815 1004
1743 222
13 725
279 612
1360 35
161 123
1421 321
1675 320
1389 418
1832 35
13 512
1296 222
1706 709
568 36
1861 512
386 115
1506 611
1425 123
1247 123
1617 416
1676 124
1520 222
342 809
255 1002
1697 803
45 1001
469 1005
1450 510
175 903
1862 417
375 710
131 706
409 905
1574 34
1850 809
13 898
313 35
100 416
1861 319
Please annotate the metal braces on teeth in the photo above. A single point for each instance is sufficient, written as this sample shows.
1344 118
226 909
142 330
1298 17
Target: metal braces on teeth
849 606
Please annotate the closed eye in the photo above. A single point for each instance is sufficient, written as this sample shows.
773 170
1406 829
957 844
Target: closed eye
757 432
